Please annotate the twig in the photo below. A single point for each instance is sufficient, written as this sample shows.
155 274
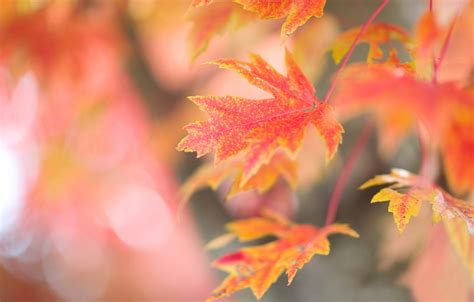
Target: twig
346 171
354 43
423 170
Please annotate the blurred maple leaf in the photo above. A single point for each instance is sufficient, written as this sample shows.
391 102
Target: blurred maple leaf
258 128
212 20
376 35
258 267
421 45
445 110
262 181
406 194
70 37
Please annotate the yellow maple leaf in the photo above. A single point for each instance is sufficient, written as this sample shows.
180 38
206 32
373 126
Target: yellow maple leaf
407 191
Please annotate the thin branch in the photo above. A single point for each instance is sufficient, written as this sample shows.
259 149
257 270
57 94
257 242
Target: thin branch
423 152
346 171
354 43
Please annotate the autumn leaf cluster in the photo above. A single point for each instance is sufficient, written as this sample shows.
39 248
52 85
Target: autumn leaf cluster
256 141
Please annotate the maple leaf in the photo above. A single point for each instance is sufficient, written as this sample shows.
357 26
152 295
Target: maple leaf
445 110
258 267
421 45
212 20
408 191
393 61
370 89
404 204
257 129
376 34
298 12
262 181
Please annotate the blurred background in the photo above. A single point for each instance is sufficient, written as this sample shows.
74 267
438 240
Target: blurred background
92 105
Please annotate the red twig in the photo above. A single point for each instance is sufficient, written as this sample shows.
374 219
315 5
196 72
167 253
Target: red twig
424 159
354 43
346 171
431 5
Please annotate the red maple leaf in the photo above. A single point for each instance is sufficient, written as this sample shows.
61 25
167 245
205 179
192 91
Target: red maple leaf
258 128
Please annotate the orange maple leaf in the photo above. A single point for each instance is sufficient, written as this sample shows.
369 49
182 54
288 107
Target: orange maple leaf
407 192
376 35
257 129
258 267
446 111
422 45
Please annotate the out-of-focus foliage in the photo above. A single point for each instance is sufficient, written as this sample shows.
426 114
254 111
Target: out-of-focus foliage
446 111
92 104
86 191
376 35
